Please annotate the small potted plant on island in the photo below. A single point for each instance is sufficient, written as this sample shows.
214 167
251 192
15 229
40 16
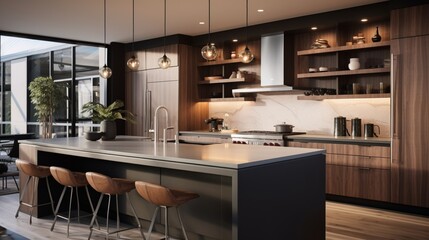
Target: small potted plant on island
46 95
106 116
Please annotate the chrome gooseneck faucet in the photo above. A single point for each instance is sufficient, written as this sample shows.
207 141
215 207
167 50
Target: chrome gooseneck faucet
155 125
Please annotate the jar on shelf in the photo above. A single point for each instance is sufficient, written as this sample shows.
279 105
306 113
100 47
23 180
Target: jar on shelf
233 54
354 64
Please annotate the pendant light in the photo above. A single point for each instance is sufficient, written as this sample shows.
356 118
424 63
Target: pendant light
105 71
164 62
209 51
247 55
133 63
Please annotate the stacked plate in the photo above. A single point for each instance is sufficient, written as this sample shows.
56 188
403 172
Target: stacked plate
320 43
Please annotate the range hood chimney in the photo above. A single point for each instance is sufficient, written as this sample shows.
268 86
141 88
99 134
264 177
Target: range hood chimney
272 66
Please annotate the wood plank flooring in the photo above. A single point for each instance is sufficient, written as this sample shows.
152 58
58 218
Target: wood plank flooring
343 222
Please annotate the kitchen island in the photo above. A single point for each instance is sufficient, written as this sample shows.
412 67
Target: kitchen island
246 192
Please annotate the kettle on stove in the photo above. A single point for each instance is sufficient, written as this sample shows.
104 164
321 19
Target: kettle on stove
214 124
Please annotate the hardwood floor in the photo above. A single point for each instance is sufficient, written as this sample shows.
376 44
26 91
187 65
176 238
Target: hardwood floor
343 222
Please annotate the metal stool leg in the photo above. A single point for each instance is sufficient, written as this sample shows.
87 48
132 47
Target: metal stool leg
70 206
95 215
78 205
92 206
107 216
166 222
152 222
135 216
22 196
117 216
58 207
36 186
50 195
181 223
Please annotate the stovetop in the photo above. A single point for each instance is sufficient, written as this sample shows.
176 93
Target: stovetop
257 134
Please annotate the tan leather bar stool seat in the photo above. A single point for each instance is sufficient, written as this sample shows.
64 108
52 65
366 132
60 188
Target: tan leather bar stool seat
164 197
35 173
111 186
72 180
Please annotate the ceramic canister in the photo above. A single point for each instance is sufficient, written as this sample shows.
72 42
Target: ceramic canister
354 64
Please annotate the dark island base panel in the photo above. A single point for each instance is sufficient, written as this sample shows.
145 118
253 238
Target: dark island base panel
195 213
266 193
378 204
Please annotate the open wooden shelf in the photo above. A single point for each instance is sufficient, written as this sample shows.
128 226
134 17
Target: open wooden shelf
219 81
343 73
344 96
219 62
343 48
231 99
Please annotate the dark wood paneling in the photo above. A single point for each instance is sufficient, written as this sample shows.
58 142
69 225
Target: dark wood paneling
411 113
368 183
410 22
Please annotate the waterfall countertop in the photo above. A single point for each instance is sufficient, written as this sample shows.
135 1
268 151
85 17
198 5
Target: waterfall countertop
231 156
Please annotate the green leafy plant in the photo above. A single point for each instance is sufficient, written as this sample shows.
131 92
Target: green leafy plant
99 112
46 95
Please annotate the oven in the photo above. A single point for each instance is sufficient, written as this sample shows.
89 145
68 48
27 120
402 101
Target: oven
265 138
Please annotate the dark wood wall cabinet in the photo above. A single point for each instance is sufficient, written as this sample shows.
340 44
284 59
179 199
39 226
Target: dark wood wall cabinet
354 170
410 156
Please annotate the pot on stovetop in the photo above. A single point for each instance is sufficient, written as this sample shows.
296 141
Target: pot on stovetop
284 128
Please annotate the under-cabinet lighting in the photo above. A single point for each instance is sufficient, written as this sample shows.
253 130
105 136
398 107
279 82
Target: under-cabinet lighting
235 40
364 20
313 28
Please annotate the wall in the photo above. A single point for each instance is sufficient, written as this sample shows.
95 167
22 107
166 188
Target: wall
313 117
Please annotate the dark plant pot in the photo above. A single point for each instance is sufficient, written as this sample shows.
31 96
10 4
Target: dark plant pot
108 127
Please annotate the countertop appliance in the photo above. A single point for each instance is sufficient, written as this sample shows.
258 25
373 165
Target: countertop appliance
266 138
214 124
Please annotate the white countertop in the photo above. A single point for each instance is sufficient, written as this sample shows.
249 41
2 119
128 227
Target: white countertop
233 156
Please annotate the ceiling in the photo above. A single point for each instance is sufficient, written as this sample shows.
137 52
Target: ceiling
83 19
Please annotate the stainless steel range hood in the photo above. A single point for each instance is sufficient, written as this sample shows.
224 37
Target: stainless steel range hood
272 66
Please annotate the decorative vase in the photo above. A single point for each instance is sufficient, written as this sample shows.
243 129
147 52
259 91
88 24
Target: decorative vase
354 64
376 37
108 127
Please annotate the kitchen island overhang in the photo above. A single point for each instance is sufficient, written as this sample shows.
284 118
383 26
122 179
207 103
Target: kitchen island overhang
246 191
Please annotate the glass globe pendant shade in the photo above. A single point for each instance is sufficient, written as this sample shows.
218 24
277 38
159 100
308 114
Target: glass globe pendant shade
164 62
133 63
246 56
209 52
105 72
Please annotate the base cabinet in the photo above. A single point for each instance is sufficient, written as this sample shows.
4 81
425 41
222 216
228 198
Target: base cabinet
359 182
354 170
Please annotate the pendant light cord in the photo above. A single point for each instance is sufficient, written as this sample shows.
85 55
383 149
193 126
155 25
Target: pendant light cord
105 49
132 46
247 20
165 22
209 24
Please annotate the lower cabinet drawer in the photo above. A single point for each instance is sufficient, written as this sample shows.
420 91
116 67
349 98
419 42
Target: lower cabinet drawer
367 183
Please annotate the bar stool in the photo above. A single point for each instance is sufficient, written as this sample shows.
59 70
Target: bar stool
36 173
72 180
165 198
111 186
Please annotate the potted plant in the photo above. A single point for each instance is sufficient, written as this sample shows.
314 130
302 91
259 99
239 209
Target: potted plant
46 95
107 116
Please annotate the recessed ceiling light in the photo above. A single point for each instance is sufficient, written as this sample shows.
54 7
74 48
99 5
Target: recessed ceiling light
235 40
364 20
260 10
313 28
201 23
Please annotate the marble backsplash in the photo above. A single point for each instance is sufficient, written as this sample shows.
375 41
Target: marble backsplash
313 117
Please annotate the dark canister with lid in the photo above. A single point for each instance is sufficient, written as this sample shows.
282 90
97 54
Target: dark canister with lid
340 128
356 124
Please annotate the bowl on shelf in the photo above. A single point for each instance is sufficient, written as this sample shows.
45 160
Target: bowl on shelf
93 136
